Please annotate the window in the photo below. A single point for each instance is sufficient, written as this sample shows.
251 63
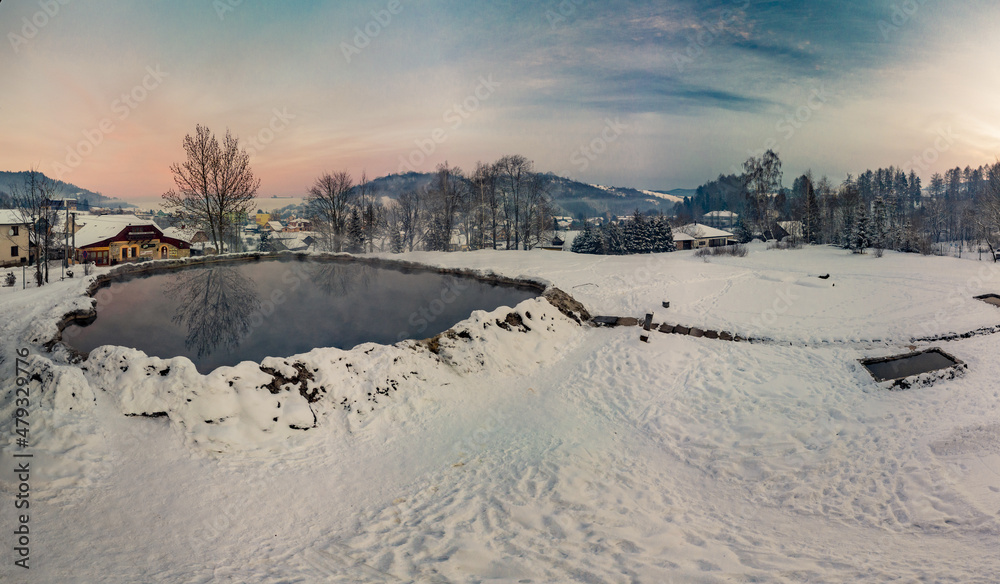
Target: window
15 230
13 249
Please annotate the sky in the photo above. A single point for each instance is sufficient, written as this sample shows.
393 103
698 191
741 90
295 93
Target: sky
653 95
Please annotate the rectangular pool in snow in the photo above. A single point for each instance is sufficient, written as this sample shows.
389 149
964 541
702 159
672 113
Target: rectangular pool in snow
899 367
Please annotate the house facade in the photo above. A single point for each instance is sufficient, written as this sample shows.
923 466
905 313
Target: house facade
113 239
720 219
14 243
697 236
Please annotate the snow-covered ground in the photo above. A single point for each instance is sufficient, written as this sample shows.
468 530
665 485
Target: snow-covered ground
531 449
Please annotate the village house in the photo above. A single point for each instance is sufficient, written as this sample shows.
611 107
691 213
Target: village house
720 219
696 236
111 239
296 224
793 229
13 238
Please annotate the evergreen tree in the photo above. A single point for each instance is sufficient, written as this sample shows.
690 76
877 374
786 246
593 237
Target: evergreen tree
662 236
812 223
906 238
879 225
265 244
860 234
642 236
614 239
355 233
741 233
395 241
585 240
847 231
438 235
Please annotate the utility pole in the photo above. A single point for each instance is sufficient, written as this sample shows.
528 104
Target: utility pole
74 238
65 261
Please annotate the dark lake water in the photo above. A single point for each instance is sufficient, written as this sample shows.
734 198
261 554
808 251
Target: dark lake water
223 315
907 366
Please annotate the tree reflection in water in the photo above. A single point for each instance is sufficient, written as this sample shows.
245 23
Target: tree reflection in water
338 279
215 307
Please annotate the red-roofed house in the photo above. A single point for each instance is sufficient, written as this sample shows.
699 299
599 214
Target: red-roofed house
111 239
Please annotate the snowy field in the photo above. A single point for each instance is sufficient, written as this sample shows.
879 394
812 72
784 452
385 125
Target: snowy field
535 450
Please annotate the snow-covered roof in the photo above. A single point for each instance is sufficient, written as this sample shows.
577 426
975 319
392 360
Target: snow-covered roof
722 214
297 240
700 231
11 217
100 227
186 235
793 228
274 225
679 236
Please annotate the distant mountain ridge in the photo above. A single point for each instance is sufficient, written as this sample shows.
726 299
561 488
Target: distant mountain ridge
569 196
64 190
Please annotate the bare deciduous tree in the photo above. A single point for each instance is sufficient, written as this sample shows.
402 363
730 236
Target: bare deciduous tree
761 179
445 200
215 185
31 204
330 201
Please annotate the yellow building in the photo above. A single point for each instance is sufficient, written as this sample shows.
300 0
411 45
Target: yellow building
13 238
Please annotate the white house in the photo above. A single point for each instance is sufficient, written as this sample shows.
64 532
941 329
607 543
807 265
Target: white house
696 235
720 219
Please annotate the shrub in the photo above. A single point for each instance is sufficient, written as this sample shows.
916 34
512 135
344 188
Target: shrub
787 243
738 251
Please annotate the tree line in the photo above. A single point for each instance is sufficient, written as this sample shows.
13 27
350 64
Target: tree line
638 235
887 208
499 205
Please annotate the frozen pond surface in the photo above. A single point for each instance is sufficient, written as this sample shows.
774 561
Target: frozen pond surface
222 315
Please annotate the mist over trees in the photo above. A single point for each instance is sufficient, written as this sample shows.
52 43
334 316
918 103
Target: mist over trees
499 205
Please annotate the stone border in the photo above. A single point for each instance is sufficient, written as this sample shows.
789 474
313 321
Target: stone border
672 329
